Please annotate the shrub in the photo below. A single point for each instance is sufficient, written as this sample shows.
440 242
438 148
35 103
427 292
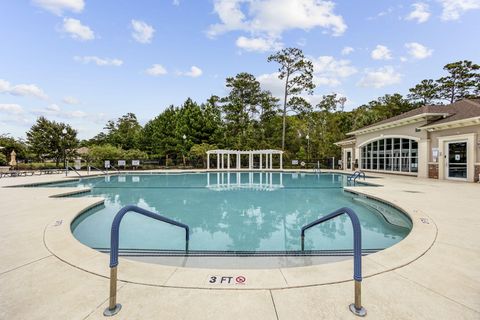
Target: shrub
3 160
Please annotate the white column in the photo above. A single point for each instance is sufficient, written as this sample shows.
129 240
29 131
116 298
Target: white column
218 160
271 161
238 160
228 161
260 167
208 161
281 161
250 161
423 157
223 161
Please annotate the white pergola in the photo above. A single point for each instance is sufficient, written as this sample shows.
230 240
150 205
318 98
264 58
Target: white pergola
265 156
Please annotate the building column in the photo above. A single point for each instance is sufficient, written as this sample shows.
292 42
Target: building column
260 167
208 161
281 161
423 157
223 161
228 161
250 161
271 161
238 161
218 161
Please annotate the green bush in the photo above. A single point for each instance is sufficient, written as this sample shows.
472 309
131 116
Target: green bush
105 152
3 159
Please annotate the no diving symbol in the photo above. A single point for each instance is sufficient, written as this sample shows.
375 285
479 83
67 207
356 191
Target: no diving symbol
227 280
240 279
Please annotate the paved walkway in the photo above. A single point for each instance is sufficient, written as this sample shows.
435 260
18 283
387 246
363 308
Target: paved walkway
441 283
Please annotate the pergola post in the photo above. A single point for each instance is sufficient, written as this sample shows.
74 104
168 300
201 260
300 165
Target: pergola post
281 161
250 160
238 160
228 161
260 167
223 161
208 161
271 161
218 160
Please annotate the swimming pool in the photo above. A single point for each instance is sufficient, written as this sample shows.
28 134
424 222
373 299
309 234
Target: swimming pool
233 211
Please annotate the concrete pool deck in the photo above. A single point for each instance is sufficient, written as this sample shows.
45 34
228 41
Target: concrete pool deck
432 274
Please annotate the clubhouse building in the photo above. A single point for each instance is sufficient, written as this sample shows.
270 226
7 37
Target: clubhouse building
435 141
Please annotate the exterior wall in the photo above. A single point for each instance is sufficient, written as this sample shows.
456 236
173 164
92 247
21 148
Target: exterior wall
434 136
433 170
408 131
427 141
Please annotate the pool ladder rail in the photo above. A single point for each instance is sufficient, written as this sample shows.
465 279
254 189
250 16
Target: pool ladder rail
114 307
357 174
356 307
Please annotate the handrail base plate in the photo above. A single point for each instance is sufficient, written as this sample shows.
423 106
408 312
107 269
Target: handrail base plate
362 312
111 312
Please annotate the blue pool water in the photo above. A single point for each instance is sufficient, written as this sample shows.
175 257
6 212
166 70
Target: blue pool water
248 211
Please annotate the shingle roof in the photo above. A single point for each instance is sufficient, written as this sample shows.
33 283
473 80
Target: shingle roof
462 109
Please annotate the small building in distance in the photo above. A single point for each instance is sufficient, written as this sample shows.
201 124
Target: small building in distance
435 141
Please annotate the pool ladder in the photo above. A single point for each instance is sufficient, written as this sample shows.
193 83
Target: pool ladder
114 307
355 176
355 307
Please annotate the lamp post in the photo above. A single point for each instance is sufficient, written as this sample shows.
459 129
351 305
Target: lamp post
64 134
183 153
308 149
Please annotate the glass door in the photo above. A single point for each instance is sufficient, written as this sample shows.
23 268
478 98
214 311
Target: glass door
349 160
457 160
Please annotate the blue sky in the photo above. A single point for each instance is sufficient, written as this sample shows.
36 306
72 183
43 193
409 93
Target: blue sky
84 62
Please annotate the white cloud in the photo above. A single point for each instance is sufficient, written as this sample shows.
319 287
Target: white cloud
380 77
453 9
329 71
77 30
142 32
70 100
54 110
11 108
268 19
381 53
59 6
156 70
271 83
420 12
99 61
418 51
23 90
347 50
194 72
176 2
258 44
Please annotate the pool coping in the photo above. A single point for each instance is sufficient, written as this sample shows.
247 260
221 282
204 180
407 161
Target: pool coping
60 241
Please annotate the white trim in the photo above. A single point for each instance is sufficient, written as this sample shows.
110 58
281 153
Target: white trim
344 159
396 123
452 124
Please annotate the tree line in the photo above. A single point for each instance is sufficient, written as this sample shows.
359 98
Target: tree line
248 117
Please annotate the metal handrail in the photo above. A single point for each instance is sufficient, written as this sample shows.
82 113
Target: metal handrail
72 168
104 172
356 175
114 307
356 307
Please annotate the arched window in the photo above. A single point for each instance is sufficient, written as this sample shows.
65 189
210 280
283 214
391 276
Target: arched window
390 154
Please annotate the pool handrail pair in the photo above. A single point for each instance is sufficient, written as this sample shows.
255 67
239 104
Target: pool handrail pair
355 307
114 307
